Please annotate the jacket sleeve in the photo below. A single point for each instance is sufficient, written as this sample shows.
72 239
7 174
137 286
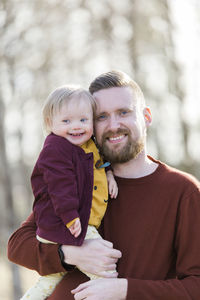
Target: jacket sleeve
186 286
43 258
56 164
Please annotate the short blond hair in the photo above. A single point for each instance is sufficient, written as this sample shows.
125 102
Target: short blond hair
60 95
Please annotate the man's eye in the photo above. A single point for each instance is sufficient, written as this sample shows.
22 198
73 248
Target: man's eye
66 121
123 112
101 118
83 120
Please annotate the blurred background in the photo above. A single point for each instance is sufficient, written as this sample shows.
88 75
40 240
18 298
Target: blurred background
47 43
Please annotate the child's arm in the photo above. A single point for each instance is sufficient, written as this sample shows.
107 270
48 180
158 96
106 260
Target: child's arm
56 164
112 185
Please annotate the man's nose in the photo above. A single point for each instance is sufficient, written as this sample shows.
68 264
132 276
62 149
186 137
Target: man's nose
113 123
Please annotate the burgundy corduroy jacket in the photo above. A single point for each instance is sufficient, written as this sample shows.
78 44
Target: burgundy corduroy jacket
62 183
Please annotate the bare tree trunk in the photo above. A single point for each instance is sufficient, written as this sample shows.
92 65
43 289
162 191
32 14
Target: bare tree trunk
5 180
188 164
142 36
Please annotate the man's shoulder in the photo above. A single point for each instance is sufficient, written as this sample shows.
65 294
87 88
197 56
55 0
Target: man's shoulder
179 177
174 177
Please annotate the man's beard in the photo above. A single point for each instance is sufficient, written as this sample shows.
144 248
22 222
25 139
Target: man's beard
129 151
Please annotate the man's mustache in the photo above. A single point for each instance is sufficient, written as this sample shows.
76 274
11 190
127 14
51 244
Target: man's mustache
119 131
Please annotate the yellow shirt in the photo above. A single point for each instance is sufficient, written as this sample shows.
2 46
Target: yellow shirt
100 187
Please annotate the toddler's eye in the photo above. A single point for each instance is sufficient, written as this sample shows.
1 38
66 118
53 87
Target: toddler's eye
66 121
83 119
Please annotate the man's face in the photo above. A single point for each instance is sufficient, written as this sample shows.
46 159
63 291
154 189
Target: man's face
120 127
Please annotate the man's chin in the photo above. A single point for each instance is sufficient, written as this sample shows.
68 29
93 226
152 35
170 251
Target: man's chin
113 155
114 147
120 153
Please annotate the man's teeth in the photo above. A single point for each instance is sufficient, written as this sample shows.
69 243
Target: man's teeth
116 138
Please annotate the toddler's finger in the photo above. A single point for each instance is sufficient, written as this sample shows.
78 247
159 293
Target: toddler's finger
77 233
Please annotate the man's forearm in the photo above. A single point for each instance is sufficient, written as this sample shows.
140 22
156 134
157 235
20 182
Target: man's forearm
24 249
94 256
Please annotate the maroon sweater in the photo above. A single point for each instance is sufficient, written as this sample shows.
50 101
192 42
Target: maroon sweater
154 221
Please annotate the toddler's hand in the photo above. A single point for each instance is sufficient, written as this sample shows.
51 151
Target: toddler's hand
113 189
75 228
112 184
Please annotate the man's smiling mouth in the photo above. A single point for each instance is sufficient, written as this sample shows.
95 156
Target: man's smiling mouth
116 138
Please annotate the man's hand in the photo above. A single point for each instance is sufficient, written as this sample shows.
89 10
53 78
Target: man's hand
95 256
106 289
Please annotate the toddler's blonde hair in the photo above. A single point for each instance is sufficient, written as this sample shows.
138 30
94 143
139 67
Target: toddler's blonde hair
60 95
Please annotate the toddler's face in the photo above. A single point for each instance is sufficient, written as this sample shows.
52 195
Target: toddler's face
74 121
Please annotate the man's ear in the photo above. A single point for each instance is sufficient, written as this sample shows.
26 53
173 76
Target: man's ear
147 116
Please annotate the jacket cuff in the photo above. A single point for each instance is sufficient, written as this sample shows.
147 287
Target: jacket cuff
69 216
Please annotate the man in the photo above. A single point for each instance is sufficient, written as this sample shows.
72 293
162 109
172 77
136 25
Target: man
154 221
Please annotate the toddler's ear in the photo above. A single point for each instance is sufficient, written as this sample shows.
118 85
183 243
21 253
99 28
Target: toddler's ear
48 123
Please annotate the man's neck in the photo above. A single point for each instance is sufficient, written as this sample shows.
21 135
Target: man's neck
138 167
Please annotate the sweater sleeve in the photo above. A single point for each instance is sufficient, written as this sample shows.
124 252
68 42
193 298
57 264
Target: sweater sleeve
186 285
56 164
44 258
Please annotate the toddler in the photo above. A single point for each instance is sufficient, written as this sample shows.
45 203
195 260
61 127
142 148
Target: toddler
69 182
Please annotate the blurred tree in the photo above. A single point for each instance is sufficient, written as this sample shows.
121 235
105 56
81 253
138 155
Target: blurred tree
8 215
